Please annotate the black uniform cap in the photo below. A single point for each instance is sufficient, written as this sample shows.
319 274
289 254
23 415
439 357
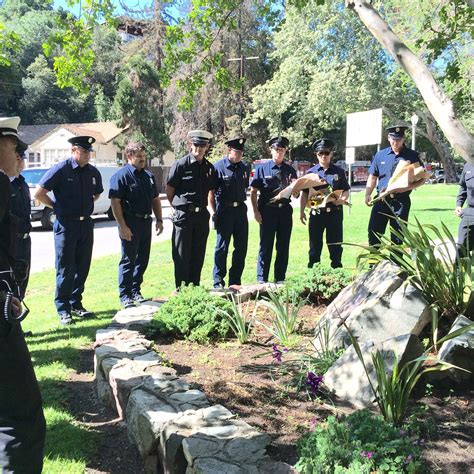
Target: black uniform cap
397 131
278 142
236 143
323 144
21 147
83 141
200 137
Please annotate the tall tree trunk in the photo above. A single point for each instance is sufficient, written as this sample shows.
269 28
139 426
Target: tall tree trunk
441 148
440 106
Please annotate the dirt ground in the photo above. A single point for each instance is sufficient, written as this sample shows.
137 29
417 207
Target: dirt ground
246 380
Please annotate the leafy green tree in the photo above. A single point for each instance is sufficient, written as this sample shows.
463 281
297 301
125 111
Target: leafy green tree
45 102
137 104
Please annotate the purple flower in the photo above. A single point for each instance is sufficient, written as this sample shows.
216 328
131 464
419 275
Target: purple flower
367 454
314 422
314 381
277 353
409 459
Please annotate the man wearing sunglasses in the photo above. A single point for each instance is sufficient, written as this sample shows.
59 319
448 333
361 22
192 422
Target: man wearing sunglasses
230 213
76 185
22 425
275 217
380 171
189 182
327 219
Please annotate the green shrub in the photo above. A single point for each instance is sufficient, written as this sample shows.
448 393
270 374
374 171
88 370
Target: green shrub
320 284
193 314
359 443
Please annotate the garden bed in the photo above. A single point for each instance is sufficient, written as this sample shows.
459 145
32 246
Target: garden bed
250 384
249 381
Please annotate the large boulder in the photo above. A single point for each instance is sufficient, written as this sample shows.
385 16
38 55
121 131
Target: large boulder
459 351
377 306
347 378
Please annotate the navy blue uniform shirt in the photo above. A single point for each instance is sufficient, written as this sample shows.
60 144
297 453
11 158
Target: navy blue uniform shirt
232 181
466 186
73 187
270 179
135 188
192 181
384 163
334 176
20 204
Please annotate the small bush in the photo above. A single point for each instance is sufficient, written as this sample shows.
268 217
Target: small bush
193 314
358 443
320 284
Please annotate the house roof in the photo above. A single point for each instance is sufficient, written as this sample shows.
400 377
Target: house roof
31 133
103 132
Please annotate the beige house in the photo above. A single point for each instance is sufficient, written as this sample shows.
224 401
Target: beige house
54 146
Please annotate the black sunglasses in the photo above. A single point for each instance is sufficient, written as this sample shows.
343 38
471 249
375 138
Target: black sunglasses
325 153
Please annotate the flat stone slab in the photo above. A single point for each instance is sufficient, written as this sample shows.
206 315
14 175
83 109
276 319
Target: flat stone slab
347 377
136 318
377 306
459 351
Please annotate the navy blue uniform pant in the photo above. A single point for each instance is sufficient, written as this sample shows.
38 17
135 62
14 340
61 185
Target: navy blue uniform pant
466 232
23 252
277 222
331 223
22 424
135 256
383 212
231 222
73 241
190 233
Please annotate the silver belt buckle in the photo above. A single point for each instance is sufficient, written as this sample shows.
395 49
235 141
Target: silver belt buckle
392 196
280 205
197 209
146 216
235 204
81 218
328 209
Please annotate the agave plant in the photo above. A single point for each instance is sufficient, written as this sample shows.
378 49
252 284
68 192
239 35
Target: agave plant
286 306
393 391
444 279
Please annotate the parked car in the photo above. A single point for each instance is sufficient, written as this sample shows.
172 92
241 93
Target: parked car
40 212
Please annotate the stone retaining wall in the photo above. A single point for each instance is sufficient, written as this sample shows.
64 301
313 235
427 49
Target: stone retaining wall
175 428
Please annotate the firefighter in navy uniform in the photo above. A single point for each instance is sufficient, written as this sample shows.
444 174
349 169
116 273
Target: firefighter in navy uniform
76 184
230 213
134 197
466 195
189 182
22 424
380 171
275 218
329 218
21 209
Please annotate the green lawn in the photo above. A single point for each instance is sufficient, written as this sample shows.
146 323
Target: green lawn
56 351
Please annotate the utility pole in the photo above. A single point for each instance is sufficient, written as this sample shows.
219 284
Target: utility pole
242 60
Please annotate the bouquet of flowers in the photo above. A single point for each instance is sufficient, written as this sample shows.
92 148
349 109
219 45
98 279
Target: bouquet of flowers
407 176
307 181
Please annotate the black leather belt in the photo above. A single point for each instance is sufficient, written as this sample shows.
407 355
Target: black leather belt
77 218
277 204
140 216
191 208
23 236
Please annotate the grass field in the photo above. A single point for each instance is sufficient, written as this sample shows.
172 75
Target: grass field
56 351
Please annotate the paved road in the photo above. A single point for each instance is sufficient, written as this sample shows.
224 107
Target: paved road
106 239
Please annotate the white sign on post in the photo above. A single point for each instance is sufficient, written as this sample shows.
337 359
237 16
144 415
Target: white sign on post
364 128
350 155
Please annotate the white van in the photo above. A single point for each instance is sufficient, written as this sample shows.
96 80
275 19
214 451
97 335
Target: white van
39 212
